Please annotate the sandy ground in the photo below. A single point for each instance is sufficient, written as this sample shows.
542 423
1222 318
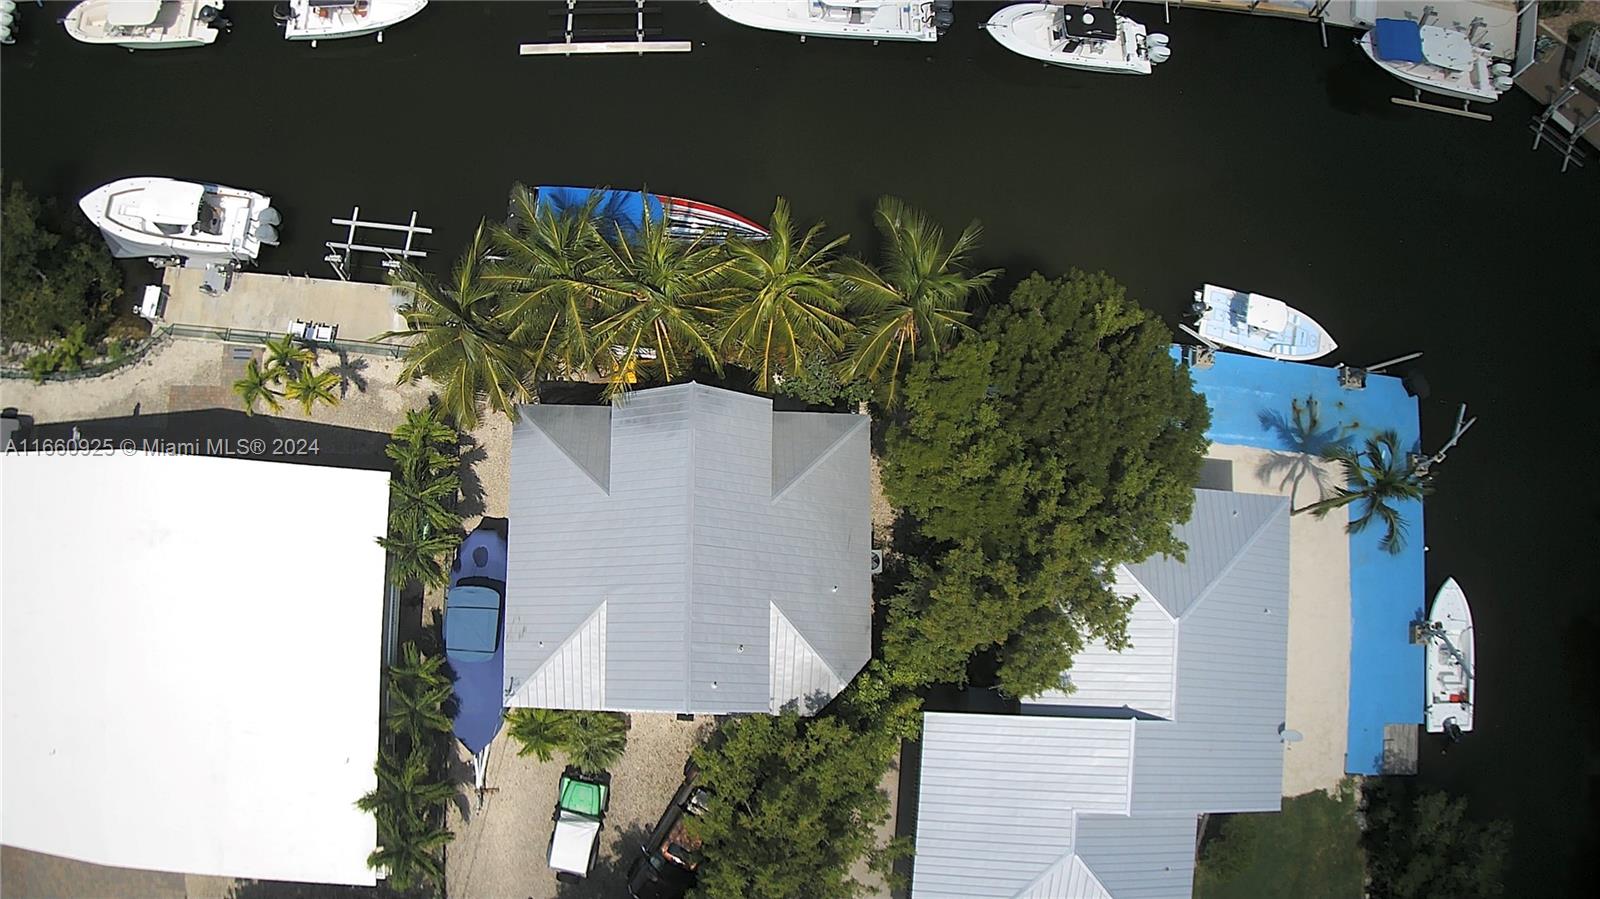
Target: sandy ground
1318 699
500 848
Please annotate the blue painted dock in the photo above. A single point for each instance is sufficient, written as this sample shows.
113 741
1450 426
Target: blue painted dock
1252 404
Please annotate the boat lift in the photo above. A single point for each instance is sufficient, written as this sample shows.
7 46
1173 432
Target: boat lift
1585 73
342 250
1353 378
1463 424
580 36
1203 356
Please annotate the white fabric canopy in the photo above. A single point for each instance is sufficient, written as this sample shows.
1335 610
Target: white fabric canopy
132 12
192 654
573 842
1267 314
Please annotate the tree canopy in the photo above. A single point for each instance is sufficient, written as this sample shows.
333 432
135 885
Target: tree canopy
54 274
1421 843
1058 441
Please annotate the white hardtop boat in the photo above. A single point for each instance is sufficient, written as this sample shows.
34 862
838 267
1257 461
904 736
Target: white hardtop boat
163 218
323 20
146 24
874 20
1439 60
1080 37
1261 325
1451 663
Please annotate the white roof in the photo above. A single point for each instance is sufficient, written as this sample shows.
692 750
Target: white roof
1266 313
172 202
132 12
192 654
573 842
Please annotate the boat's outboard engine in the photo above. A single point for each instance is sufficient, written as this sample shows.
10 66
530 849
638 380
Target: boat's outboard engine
270 216
944 14
267 234
213 17
1156 48
1452 730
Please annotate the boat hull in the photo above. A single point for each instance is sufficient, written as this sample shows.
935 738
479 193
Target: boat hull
479 681
889 21
305 25
686 219
1308 341
1417 76
1451 665
1025 29
175 27
107 207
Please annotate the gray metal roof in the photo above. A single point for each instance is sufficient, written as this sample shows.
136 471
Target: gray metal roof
687 549
996 821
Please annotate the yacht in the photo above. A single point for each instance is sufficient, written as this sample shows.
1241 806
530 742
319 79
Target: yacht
146 24
1078 37
323 20
1437 60
162 218
874 20
1261 325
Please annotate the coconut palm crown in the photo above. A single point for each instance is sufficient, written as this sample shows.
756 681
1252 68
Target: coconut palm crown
1376 476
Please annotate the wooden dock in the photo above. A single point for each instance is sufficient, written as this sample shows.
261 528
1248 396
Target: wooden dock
1400 748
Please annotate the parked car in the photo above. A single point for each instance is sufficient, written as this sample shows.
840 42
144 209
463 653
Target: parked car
580 813
667 863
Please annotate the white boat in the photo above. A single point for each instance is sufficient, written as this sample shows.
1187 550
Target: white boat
1451 663
163 218
146 24
324 20
874 20
1435 59
1261 325
1079 37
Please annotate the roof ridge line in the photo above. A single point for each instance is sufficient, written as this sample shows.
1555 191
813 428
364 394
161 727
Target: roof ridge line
826 452
1227 569
577 632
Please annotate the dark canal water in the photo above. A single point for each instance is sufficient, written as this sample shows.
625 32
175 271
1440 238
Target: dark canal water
1254 158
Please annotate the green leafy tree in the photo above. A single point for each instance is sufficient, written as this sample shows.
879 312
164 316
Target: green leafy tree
1057 442
418 690
454 336
669 292
555 274
408 807
819 383
259 385
540 733
916 300
310 387
797 802
420 507
595 740
419 557
784 307
54 274
423 447
1421 843
1376 477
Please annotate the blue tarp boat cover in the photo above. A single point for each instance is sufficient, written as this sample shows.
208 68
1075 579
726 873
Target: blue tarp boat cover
624 207
1397 40
471 622
472 629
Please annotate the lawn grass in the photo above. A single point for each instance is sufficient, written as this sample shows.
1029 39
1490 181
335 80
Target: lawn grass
1310 850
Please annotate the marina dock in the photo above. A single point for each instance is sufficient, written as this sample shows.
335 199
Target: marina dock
256 301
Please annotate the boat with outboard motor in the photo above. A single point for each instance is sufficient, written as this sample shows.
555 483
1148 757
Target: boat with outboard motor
1257 324
324 20
1436 59
1451 663
163 218
685 218
146 24
874 20
1094 39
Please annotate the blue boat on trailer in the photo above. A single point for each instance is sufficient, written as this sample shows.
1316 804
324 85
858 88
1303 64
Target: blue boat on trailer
686 219
474 639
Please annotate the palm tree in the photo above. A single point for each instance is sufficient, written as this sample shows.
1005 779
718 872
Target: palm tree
310 387
418 690
407 805
785 307
288 355
1376 476
418 507
555 274
540 731
422 447
456 339
259 385
595 740
668 290
916 299
416 557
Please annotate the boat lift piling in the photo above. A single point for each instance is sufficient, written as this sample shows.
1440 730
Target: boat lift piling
342 250
1203 356
1354 378
580 37
1463 424
1583 74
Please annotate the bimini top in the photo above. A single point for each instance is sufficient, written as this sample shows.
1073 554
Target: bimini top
168 202
687 549
1397 40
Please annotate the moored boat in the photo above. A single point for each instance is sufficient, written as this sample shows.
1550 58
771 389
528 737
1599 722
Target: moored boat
685 218
146 24
1080 37
1451 665
166 218
1436 59
1257 324
874 20
322 20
